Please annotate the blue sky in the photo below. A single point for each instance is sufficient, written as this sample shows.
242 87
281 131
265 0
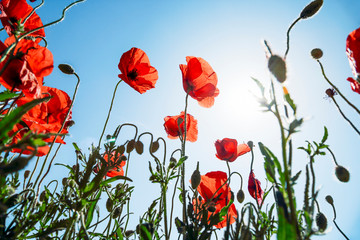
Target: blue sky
227 34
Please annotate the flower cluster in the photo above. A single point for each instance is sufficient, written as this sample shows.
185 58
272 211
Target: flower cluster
24 64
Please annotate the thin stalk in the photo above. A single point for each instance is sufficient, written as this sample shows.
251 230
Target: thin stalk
338 228
288 36
343 115
336 89
108 116
333 155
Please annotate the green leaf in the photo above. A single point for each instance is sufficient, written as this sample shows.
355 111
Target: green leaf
294 178
181 160
262 88
8 95
76 147
290 102
91 210
285 231
326 134
9 121
113 179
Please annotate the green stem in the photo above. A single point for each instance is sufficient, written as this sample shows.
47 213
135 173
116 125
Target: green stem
288 36
333 156
336 89
108 116
343 115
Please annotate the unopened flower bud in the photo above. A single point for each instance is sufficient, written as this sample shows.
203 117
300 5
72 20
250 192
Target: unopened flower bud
129 233
211 208
117 212
330 92
250 144
121 149
342 174
329 199
240 196
311 9
65 182
195 179
155 146
277 67
321 222
139 147
26 174
109 204
316 53
130 146
172 163
66 68
42 196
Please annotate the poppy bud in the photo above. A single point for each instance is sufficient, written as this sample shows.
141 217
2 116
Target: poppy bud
152 178
321 221
250 144
67 69
65 182
26 174
195 179
329 199
311 9
342 174
121 149
179 121
172 163
316 53
117 212
240 196
155 146
277 67
139 147
42 196
109 204
130 146
129 233
330 92
211 208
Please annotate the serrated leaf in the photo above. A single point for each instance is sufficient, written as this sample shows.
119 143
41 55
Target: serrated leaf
9 121
294 178
181 160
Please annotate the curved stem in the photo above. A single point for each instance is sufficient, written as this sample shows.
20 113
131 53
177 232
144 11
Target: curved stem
336 89
343 115
288 36
338 228
333 156
108 116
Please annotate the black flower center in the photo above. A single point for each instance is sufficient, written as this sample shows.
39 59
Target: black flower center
133 74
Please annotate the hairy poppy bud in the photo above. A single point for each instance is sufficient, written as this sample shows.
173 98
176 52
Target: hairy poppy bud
42 196
129 233
121 149
109 204
172 163
66 68
311 9
117 212
316 53
329 199
240 196
65 182
342 174
139 147
26 174
277 67
211 208
130 146
250 144
195 179
321 221
155 146
330 92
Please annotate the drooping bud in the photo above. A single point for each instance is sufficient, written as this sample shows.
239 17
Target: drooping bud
250 144
240 196
66 68
330 92
172 163
117 212
130 146
155 146
121 149
342 174
26 174
139 147
211 207
129 233
329 199
316 53
195 179
321 221
109 204
277 67
311 9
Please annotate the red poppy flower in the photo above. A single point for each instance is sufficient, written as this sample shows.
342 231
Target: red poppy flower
48 117
173 131
209 185
353 51
254 187
355 85
136 70
13 13
199 81
228 149
118 165
26 71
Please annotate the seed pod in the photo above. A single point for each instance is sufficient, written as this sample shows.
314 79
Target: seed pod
277 67
342 173
66 68
250 144
129 233
154 146
316 53
109 204
240 196
321 222
311 9
121 149
172 163
130 146
329 199
195 179
117 212
26 174
139 147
